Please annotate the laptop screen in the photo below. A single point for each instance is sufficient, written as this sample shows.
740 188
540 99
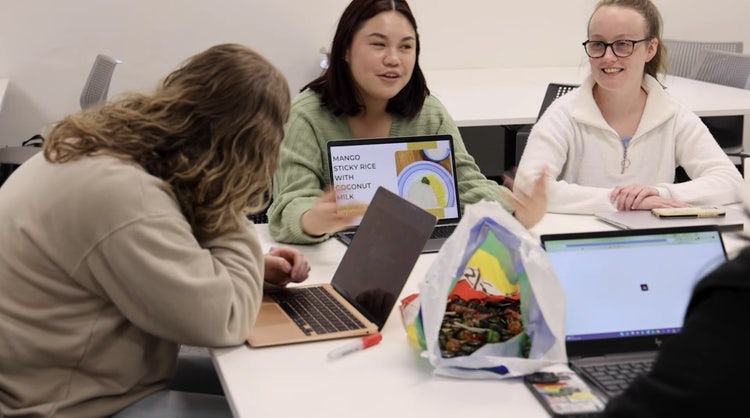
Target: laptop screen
627 283
421 169
382 254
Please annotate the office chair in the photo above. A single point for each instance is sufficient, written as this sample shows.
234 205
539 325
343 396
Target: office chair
683 55
97 85
722 67
12 157
258 218
554 92
728 69
261 217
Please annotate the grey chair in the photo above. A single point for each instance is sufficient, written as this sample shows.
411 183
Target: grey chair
97 85
12 157
722 67
729 69
96 88
683 55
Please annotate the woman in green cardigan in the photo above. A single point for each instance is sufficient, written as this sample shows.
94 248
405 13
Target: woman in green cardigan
372 88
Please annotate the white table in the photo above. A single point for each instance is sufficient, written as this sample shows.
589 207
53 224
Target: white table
387 380
3 88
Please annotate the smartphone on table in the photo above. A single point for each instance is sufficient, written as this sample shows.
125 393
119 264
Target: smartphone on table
564 394
692 212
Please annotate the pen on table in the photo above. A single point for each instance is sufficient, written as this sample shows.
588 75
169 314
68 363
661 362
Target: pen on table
355 346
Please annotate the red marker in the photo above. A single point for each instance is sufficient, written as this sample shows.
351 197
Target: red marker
355 346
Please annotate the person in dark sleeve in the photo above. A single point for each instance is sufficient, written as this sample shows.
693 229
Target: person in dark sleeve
701 371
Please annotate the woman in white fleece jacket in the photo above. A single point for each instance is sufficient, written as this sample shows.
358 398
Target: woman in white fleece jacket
614 143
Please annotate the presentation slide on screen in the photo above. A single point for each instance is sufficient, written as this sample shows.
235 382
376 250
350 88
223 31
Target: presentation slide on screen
421 172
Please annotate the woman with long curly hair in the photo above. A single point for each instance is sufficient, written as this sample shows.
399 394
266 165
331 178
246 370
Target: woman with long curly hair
127 237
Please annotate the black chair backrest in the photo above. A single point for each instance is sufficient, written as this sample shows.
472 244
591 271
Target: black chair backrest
12 157
261 217
514 148
554 92
258 218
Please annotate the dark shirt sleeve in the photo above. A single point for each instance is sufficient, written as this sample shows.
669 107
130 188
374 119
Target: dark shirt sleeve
704 370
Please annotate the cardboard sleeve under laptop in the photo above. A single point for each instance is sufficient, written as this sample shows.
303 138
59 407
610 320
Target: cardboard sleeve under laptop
365 286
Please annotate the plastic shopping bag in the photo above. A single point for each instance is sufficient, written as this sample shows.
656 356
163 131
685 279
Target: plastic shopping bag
490 305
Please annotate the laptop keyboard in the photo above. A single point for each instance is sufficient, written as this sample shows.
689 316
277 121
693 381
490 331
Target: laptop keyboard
315 311
614 378
440 231
443 231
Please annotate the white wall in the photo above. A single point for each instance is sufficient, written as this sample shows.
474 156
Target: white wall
47 46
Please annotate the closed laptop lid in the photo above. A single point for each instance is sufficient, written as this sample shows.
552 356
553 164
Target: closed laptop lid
421 169
627 290
734 219
381 256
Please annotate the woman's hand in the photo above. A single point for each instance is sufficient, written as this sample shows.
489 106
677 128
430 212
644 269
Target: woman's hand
284 265
324 217
653 202
641 197
530 208
629 197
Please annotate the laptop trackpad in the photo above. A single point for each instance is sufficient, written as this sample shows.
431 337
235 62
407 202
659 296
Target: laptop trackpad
273 327
272 314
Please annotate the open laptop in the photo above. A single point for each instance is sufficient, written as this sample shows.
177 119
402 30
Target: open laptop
421 169
626 292
364 288
734 219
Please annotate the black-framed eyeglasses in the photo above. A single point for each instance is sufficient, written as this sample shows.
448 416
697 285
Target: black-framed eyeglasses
622 48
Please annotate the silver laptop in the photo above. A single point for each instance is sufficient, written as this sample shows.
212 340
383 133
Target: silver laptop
734 219
420 169
364 288
626 293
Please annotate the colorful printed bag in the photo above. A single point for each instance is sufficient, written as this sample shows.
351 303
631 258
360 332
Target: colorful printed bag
490 305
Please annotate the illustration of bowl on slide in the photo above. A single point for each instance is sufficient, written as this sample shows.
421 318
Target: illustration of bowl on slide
427 185
436 154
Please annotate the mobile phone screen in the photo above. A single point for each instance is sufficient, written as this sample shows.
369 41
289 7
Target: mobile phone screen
568 397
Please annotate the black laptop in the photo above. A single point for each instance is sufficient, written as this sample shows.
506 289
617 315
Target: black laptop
421 169
626 293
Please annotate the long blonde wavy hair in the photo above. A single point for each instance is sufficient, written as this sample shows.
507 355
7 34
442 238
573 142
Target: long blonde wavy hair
211 130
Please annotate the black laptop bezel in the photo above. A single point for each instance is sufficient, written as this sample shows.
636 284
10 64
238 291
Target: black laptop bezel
587 348
419 228
395 139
